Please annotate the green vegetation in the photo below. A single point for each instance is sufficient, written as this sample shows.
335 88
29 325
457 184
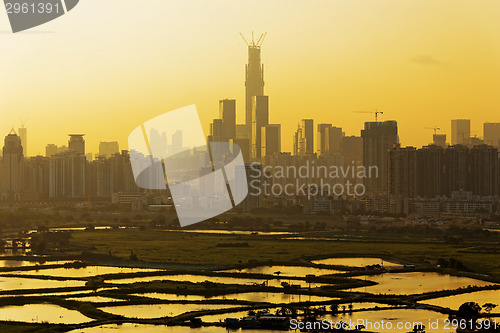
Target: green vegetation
202 249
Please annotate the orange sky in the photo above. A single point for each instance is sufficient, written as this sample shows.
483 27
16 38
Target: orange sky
108 66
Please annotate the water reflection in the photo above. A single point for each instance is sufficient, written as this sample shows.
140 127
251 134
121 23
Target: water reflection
164 329
356 262
393 318
251 297
480 297
234 232
94 299
161 310
24 263
417 283
298 271
12 283
37 313
85 271
213 279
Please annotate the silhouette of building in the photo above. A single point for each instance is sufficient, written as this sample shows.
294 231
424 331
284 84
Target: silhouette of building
455 166
351 149
491 134
255 180
271 139
23 134
67 171
76 143
108 149
303 139
260 118
333 140
483 165
298 142
321 138
328 139
217 133
106 176
254 81
12 167
242 141
378 139
227 112
439 140
308 135
36 178
434 171
402 168
460 131
430 171
52 149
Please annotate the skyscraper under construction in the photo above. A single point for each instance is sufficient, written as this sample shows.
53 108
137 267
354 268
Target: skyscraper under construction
254 78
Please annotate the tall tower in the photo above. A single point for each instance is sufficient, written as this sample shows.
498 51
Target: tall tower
227 112
308 134
254 78
260 118
23 134
76 143
460 131
378 139
12 171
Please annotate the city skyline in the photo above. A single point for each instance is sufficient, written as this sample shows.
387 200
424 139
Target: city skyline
321 72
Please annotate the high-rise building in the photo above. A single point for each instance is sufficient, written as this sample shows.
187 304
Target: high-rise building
23 134
430 171
270 139
260 118
352 149
483 163
36 178
255 179
308 135
227 112
460 131
298 142
254 81
333 140
439 140
52 149
402 172
242 132
378 139
108 149
12 167
491 134
67 172
321 138
455 170
217 133
433 171
76 143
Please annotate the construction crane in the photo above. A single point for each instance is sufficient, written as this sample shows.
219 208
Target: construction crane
254 43
376 113
435 128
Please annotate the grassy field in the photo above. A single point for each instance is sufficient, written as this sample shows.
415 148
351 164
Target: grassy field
203 249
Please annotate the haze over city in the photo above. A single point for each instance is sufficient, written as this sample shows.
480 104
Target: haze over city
440 63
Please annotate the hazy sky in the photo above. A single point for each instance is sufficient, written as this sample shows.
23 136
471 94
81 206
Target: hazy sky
109 65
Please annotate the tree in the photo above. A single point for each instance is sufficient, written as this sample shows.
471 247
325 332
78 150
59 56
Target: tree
469 310
489 306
